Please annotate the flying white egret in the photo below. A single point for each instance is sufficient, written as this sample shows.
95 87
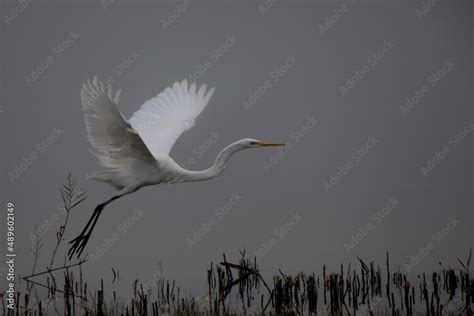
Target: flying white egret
137 151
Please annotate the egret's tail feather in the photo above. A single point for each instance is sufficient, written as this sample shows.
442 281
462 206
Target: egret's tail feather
110 177
103 176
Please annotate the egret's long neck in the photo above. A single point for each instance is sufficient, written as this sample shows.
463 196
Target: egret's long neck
219 164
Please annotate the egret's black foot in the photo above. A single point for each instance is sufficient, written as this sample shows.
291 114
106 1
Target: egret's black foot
78 245
80 242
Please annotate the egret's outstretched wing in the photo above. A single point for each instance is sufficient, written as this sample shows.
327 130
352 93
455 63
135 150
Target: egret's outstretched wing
161 120
107 130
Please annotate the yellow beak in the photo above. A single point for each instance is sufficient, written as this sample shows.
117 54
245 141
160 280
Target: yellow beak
265 143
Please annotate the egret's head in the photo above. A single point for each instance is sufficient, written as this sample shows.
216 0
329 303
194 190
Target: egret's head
253 143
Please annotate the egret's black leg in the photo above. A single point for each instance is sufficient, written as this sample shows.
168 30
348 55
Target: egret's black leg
80 242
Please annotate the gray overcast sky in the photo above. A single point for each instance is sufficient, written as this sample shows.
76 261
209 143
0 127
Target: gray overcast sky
330 80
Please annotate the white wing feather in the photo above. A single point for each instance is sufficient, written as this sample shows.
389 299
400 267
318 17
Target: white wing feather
107 130
161 120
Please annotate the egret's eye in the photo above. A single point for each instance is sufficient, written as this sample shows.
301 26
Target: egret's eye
253 143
